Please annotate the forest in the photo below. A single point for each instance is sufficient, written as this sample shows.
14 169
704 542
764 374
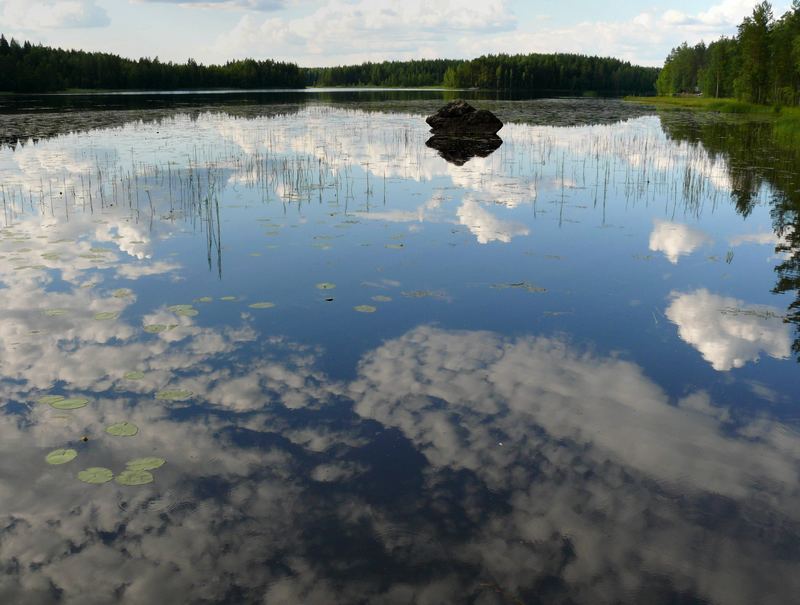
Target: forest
761 64
25 67
34 68
565 73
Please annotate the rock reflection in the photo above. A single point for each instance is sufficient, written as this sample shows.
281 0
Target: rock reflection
460 150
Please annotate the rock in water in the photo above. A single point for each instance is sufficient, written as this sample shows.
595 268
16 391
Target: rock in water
459 117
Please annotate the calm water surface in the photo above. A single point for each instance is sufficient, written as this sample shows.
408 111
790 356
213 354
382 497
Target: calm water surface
562 373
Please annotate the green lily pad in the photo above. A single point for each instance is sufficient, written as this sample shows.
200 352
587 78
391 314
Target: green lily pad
158 328
50 399
174 395
262 305
134 477
122 429
146 464
204 299
134 375
365 308
61 456
184 310
381 298
106 315
72 403
55 312
395 246
96 474
326 285
122 293
228 298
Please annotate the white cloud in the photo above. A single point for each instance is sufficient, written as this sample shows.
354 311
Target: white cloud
255 5
726 331
51 14
675 239
341 31
485 226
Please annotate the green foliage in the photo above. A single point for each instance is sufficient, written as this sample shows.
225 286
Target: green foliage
29 68
530 73
760 65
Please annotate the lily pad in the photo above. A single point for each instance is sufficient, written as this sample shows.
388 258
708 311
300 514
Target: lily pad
106 315
50 399
228 298
72 403
55 312
134 477
326 285
262 305
174 395
395 246
204 299
146 464
122 293
134 375
382 298
184 310
96 474
158 328
365 308
61 456
122 429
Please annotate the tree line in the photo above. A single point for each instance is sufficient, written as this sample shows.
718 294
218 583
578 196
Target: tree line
761 64
34 68
526 73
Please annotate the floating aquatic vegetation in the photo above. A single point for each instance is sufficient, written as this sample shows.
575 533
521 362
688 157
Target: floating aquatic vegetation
61 456
133 375
60 402
122 293
523 285
228 298
752 312
382 298
51 256
204 299
417 293
50 399
262 305
100 250
145 464
158 328
96 474
395 246
55 312
134 477
365 308
174 395
183 310
326 285
122 429
106 315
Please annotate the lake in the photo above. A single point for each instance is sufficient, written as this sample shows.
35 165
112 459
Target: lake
283 348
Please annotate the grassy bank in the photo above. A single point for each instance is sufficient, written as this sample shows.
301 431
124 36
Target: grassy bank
786 119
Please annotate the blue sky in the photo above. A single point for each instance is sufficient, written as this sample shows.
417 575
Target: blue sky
332 32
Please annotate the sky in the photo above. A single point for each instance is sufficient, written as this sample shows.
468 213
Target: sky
336 32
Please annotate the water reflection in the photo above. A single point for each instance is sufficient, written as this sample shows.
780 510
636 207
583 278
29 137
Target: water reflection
460 150
535 411
516 463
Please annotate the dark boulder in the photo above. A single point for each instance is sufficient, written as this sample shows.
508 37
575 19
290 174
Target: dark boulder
460 150
459 117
